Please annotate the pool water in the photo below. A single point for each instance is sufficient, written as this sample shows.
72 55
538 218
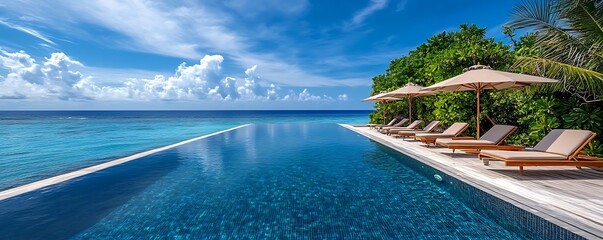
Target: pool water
39 144
260 181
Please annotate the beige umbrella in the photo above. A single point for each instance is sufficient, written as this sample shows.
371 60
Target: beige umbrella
381 98
410 90
479 77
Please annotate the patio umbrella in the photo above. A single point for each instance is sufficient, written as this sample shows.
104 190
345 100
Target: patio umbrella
479 77
410 90
380 98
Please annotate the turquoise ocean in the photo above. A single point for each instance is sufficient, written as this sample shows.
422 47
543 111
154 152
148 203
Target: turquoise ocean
35 145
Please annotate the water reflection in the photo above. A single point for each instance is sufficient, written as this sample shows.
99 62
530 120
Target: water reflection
62 210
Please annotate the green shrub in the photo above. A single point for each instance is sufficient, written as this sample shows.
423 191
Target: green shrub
535 110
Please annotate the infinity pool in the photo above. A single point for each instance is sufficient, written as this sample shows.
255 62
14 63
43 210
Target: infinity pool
259 181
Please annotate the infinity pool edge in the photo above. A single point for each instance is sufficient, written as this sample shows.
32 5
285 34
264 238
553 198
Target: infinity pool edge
16 191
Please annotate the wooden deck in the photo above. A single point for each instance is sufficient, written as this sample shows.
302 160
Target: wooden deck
569 197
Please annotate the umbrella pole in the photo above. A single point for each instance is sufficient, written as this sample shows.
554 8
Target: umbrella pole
410 108
383 103
477 117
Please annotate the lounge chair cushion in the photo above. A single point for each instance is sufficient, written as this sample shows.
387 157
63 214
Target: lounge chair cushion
432 125
434 135
448 141
497 133
398 130
563 141
400 123
410 133
414 124
401 129
455 129
426 129
397 125
392 122
523 155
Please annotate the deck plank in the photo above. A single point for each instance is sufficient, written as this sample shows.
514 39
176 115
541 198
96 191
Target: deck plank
567 196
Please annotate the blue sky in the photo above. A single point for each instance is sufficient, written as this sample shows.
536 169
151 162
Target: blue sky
215 54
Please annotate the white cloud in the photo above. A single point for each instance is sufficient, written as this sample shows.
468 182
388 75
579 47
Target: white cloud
56 78
275 70
342 97
304 96
145 26
29 31
26 78
250 88
188 31
116 76
271 93
360 16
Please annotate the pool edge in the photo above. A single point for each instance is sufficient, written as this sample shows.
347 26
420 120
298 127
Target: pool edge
12 192
528 208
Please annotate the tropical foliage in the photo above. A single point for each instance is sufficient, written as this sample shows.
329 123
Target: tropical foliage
566 43
442 56
569 40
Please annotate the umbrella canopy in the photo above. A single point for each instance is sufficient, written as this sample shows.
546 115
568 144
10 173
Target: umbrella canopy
380 98
410 90
480 77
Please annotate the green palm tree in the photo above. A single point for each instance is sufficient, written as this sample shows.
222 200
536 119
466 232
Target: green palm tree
569 42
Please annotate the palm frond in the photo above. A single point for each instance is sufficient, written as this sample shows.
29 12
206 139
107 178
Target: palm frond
585 18
569 43
542 15
596 50
571 77
570 51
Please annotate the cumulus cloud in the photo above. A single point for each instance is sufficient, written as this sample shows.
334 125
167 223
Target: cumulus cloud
305 95
28 79
250 88
187 29
271 93
55 78
342 97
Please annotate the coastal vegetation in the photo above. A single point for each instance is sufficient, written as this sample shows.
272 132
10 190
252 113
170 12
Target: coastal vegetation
563 40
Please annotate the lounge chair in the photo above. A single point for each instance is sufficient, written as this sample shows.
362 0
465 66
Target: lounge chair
559 148
452 131
411 126
392 122
398 124
409 133
492 139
